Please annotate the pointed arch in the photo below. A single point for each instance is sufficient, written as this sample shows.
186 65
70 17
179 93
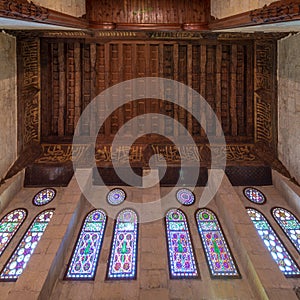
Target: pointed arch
218 255
279 253
182 263
123 255
289 224
22 254
9 225
84 259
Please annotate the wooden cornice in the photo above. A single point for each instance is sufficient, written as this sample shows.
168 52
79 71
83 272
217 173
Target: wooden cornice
28 11
279 11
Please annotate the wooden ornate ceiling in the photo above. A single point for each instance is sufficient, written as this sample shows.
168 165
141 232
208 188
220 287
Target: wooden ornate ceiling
60 72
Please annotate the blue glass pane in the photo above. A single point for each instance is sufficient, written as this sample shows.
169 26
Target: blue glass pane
185 197
116 196
254 195
217 252
44 196
277 250
85 256
289 224
180 249
9 225
19 259
123 260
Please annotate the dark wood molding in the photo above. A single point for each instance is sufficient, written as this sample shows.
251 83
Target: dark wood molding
28 11
279 11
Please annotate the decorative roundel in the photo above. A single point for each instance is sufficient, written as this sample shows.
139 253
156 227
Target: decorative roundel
254 195
116 196
185 197
44 196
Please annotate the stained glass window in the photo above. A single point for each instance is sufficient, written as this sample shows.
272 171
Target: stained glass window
19 259
279 253
44 196
9 225
254 195
180 250
116 196
218 255
85 256
185 197
123 256
289 224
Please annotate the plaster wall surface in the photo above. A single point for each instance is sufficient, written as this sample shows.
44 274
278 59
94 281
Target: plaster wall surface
8 103
289 104
222 9
75 8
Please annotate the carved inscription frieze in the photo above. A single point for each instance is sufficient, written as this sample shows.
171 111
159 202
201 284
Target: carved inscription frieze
30 86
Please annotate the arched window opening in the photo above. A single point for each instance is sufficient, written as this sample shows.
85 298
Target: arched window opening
289 224
83 262
182 262
22 254
279 253
217 252
9 225
123 256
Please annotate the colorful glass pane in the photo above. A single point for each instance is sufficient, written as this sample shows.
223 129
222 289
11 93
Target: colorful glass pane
19 259
289 224
254 195
276 248
123 260
116 196
218 255
9 225
85 256
44 196
185 197
180 249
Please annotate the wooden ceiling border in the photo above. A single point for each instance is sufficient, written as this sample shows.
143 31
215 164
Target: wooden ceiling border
279 11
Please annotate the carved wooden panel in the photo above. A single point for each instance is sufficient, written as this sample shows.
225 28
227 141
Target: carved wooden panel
74 72
148 11
29 91
265 92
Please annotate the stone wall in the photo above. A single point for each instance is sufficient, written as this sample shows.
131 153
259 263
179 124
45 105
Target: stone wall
43 276
74 8
289 104
222 9
8 103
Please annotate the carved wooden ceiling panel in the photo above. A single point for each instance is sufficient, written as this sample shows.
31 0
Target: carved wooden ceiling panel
74 72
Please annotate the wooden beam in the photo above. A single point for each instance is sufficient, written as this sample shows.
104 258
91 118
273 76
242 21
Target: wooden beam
279 11
28 11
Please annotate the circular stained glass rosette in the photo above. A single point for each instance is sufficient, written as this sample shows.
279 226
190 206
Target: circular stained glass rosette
254 195
185 197
43 197
116 196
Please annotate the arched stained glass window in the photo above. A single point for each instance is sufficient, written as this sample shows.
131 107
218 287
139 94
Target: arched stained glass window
9 225
285 262
289 224
218 255
19 259
180 250
254 195
123 256
85 256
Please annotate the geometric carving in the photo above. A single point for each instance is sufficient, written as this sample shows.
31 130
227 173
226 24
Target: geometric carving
23 9
29 89
276 11
265 92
